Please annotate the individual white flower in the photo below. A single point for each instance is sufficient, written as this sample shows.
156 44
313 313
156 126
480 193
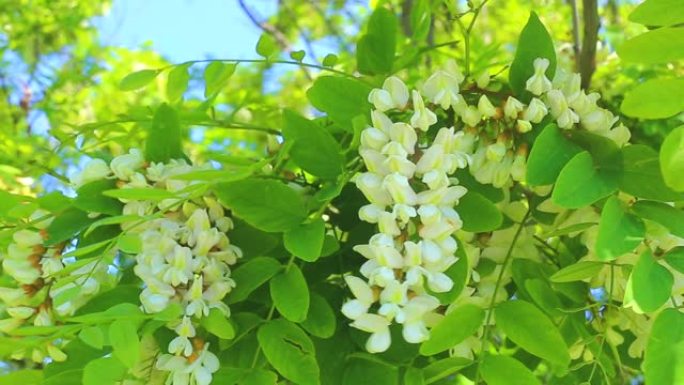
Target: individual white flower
412 317
620 135
95 169
535 111
539 83
399 189
393 94
182 344
422 117
371 185
485 107
471 116
513 107
599 120
373 138
380 338
405 135
184 371
364 298
519 167
125 166
442 88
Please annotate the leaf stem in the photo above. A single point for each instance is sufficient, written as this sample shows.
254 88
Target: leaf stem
499 278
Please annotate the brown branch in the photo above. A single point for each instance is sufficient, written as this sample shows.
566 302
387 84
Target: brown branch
587 63
265 26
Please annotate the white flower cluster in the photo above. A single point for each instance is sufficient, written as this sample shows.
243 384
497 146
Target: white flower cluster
568 104
39 297
412 202
491 126
185 257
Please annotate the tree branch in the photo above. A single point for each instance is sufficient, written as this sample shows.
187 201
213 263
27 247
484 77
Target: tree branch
576 47
587 63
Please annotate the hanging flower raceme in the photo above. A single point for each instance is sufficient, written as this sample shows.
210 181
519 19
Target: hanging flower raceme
39 295
411 200
185 257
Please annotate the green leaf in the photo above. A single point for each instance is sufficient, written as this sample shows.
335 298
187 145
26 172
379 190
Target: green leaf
655 99
90 199
314 149
375 50
290 294
268 205
123 336
341 98
239 376
298 55
651 283
504 370
535 42
66 225
92 336
177 82
444 367
250 275
163 141
619 232
217 324
267 46
581 183
675 258
642 177
577 272
662 213
53 202
329 60
216 76
413 376
368 370
672 159
137 80
22 377
306 240
290 351
576 228
460 323
664 358
320 321
478 213
658 13
662 45
550 152
104 371
527 326
129 243
135 193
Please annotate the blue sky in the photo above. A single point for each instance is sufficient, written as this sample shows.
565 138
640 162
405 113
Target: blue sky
185 29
